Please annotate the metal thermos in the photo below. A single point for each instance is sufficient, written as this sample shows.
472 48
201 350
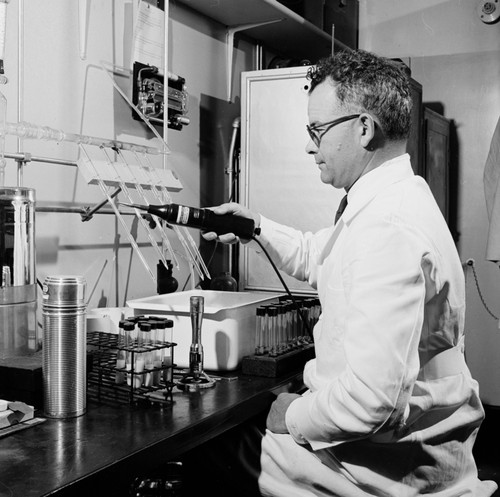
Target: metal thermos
64 363
19 334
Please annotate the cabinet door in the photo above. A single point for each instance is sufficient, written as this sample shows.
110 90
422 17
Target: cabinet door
415 140
437 142
278 178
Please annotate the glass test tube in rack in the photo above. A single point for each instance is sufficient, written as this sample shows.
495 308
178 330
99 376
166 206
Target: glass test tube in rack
280 329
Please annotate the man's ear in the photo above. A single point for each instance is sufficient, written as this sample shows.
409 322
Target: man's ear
368 131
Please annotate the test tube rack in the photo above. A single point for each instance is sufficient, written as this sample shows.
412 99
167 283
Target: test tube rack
103 385
273 367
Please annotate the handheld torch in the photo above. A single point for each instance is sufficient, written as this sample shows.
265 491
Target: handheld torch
203 219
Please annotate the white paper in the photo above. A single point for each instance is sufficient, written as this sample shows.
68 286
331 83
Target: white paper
149 36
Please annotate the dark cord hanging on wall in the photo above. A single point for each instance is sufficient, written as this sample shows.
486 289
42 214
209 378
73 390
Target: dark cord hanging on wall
470 263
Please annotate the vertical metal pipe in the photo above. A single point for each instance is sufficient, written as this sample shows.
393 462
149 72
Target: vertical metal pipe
20 67
20 81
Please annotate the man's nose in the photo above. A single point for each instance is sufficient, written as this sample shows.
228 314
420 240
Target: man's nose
311 147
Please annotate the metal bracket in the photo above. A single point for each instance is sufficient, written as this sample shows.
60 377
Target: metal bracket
89 212
230 48
22 160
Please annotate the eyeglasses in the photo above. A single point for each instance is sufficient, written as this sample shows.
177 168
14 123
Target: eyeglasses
316 135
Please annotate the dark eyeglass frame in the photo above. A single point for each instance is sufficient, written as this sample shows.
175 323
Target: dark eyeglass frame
316 137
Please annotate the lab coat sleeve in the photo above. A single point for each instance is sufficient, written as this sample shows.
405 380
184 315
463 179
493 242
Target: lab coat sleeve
292 251
373 315
491 180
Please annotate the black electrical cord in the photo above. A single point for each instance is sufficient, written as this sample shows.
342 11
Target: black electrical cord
295 303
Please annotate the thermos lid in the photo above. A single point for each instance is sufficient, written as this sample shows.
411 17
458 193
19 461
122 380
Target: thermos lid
17 194
64 290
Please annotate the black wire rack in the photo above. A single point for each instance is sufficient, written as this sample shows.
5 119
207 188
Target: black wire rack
108 383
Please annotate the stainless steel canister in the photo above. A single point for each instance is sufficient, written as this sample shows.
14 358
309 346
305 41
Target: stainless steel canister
19 334
64 346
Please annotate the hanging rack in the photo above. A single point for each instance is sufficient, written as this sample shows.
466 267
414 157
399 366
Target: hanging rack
167 179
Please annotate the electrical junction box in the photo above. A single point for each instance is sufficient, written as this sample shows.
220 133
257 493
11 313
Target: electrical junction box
148 95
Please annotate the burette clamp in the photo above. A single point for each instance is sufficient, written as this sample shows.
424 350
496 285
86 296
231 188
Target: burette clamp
23 157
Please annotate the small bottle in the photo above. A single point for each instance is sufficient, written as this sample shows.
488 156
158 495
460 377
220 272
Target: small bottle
224 282
166 283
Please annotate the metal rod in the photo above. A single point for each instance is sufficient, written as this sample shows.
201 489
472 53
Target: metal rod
25 157
89 213
20 171
78 210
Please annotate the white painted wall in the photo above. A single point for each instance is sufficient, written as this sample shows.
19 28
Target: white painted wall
456 57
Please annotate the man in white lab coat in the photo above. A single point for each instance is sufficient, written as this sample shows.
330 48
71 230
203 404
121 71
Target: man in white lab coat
391 408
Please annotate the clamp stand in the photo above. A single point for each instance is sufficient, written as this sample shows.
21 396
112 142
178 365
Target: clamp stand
196 379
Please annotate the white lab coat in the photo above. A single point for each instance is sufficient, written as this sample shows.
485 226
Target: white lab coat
384 415
491 181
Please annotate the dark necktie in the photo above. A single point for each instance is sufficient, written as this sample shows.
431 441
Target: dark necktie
340 210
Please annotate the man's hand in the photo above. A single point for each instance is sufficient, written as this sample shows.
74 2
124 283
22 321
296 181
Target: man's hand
237 210
276 417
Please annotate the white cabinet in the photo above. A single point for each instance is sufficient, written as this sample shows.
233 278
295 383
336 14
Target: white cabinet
278 179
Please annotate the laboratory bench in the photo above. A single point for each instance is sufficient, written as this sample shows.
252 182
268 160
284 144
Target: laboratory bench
102 451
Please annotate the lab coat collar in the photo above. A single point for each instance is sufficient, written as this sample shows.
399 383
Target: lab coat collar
367 187
364 190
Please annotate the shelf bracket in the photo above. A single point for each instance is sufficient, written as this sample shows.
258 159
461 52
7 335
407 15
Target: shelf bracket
230 46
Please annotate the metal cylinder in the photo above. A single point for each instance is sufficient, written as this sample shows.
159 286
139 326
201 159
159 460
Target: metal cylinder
64 362
19 334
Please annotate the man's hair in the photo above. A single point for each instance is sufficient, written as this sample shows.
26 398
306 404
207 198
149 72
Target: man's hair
365 82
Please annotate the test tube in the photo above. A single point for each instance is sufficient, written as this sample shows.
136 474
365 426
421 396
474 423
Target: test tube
303 320
148 342
131 331
158 340
139 359
121 354
280 328
167 359
259 330
288 324
312 305
271 316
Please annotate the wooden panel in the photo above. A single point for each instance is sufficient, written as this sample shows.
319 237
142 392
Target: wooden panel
437 142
